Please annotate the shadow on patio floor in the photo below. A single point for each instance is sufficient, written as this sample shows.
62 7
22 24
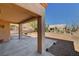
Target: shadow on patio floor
62 48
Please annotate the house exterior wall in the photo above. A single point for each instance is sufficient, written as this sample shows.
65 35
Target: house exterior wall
58 26
4 30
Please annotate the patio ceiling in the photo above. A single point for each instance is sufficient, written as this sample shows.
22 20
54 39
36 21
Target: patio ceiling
14 13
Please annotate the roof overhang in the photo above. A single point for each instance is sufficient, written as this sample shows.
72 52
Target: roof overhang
17 13
44 5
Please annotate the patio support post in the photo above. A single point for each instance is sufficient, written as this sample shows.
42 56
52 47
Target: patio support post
41 34
20 31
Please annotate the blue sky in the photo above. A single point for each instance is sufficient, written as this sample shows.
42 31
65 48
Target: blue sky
62 14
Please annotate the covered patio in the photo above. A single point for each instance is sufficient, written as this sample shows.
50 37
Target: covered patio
20 13
27 46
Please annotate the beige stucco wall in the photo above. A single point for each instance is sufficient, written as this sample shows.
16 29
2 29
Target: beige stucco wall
5 31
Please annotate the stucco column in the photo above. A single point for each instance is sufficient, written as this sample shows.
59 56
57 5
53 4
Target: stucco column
41 34
20 31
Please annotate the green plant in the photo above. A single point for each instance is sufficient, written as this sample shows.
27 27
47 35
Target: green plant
46 28
34 25
74 28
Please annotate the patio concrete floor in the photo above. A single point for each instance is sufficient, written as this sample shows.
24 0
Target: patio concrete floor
26 46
